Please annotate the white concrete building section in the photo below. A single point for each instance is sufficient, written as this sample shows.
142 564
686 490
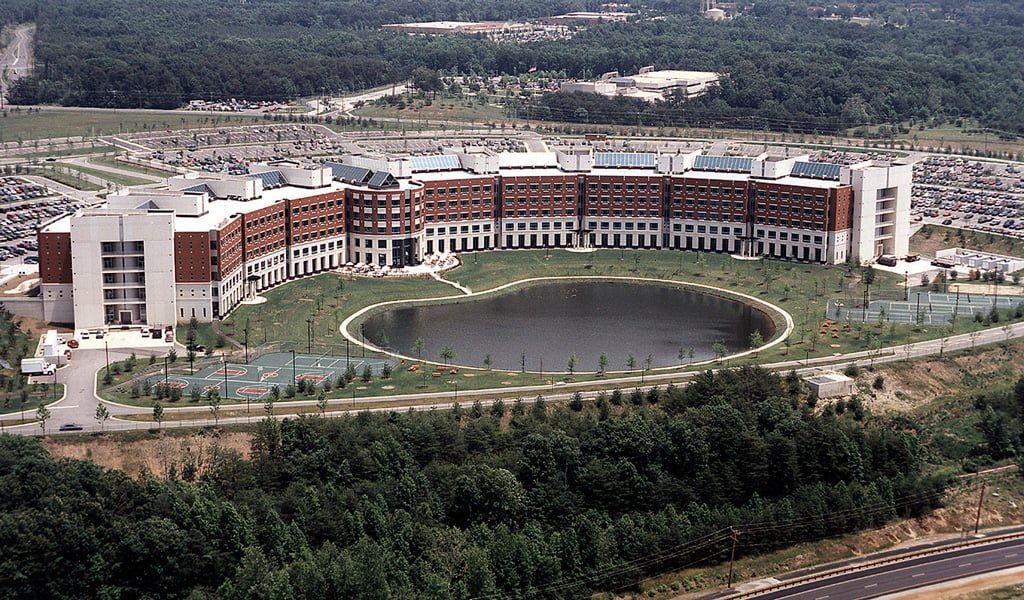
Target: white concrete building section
881 209
830 384
123 267
981 261
309 258
58 306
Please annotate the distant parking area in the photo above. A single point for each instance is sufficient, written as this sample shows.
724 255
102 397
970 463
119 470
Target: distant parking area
255 379
23 207
975 195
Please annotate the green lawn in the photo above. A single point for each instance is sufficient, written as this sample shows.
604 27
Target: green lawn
107 161
58 122
931 238
37 395
67 179
117 178
319 305
325 300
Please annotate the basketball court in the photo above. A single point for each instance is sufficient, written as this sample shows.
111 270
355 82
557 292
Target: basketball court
255 380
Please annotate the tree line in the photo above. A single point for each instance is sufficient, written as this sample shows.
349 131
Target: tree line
784 69
521 498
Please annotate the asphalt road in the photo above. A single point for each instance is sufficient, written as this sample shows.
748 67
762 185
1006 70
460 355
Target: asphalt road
15 61
909 573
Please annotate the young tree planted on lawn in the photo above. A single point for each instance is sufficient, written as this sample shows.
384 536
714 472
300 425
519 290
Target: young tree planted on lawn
102 414
158 414
213 398
321 403
572 363
602 362
43 415
756 341
418 347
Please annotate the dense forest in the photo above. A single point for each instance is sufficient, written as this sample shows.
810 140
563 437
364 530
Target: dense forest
519 499
785 69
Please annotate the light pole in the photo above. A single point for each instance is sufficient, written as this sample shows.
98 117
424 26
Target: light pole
224 359
293 369
106 353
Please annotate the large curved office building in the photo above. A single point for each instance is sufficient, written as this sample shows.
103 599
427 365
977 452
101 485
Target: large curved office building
199 247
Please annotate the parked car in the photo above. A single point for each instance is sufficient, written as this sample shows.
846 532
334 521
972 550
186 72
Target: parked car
71 427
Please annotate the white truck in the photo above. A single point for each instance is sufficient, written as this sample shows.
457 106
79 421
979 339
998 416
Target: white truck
37 366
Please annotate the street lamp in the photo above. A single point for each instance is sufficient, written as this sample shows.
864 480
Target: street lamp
293 369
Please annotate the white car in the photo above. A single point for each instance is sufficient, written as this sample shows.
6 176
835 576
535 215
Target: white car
84 336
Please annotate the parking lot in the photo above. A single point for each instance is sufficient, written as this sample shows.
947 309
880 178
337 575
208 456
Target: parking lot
985 197
23 206
227 149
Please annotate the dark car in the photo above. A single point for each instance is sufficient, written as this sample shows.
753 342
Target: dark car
71 427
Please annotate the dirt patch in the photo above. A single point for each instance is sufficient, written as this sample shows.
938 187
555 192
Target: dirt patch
13 284
919 385
160 454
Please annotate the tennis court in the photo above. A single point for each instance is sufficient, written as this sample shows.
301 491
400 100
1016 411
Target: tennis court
922 308
254 380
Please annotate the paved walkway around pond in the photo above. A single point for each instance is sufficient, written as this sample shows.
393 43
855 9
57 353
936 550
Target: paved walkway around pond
455 284
767 306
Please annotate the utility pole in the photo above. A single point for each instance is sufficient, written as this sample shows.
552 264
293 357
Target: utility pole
734 535
247 340
981 497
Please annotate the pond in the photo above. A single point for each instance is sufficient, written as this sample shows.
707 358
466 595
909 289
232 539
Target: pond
548 322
